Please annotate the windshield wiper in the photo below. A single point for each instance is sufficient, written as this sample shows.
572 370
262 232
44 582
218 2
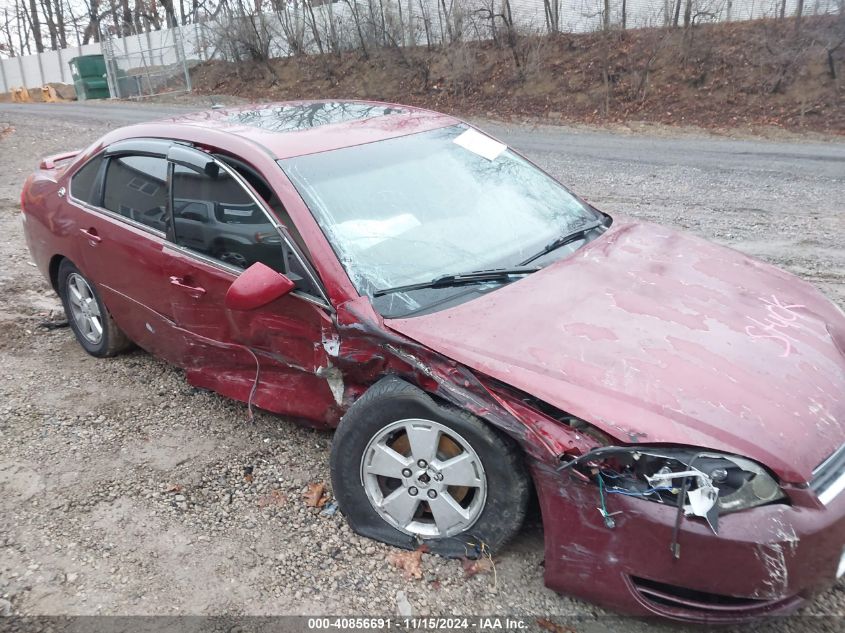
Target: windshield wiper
474 277
563 240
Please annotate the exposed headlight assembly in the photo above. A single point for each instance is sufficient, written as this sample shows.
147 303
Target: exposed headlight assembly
700 483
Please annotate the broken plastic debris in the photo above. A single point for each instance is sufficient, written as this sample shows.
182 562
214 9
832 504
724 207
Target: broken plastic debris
330 510
480 144
702 499
702 503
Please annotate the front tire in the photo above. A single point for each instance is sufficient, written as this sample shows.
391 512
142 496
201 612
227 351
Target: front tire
93 326
407 470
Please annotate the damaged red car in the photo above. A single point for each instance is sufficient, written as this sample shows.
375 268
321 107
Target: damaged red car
477 334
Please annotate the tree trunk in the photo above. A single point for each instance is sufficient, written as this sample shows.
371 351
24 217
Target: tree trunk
47 6
169 13
61 26
126 18
8 28
22 18
35 20
552 12
445 19
356 17
93 28
677 16
314 27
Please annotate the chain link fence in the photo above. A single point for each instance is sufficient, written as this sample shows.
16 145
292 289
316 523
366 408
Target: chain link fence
137 66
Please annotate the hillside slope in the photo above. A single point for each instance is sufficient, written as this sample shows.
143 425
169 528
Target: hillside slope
760 73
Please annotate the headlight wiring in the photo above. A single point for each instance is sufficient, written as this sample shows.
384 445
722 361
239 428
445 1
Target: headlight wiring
704 484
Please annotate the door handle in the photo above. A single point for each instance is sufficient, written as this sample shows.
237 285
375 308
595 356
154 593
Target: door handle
91 234
195 291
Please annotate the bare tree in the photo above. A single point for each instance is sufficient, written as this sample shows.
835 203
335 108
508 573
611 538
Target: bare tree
551 12
92 30
35 23
358 20
8 45
290 19
799 13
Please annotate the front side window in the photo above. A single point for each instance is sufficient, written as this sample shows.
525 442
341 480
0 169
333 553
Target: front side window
83 182
444 202
216 217
136 188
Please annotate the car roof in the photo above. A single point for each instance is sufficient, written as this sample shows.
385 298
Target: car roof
295 128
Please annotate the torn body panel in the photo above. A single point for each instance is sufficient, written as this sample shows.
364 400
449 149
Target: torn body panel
764 561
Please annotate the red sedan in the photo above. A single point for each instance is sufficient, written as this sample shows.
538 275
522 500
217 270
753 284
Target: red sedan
477 334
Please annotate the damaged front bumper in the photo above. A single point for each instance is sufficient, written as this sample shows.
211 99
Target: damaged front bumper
764 560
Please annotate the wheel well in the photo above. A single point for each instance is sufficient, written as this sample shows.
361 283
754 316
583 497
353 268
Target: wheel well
534 505
53 270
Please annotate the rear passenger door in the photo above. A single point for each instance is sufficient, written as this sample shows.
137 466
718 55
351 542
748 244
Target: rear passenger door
121 197
220 228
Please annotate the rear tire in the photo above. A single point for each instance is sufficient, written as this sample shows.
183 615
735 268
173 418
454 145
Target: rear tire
468 511
93 326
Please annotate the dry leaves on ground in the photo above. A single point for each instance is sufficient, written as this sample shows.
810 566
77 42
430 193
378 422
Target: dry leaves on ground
553 627
478 566
315 495
409 562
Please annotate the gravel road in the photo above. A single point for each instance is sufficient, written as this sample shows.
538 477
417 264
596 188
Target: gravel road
123 490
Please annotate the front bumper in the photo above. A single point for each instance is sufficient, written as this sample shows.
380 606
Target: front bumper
766 560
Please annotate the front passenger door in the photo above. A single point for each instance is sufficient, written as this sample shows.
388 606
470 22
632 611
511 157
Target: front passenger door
220 228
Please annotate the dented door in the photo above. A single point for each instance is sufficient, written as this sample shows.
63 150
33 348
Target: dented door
285 343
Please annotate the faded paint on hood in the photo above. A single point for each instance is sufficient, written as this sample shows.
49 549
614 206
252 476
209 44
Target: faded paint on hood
656 336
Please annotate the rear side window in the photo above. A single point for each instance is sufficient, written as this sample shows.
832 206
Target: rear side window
136 188
82 183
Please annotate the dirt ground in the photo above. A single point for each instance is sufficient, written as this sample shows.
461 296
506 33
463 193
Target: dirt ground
123 490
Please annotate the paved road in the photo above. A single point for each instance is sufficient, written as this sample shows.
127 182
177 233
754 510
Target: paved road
804 158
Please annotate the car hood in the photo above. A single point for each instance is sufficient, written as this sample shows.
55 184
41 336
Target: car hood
655 336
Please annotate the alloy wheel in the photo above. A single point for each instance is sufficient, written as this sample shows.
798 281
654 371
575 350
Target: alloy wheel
424 479
84 308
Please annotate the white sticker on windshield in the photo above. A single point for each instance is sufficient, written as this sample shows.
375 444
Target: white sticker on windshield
481 144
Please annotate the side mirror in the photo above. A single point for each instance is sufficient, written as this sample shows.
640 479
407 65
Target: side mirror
257 286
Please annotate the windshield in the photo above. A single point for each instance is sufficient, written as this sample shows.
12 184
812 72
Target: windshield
411 209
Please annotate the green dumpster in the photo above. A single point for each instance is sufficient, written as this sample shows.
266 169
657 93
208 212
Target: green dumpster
89 77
